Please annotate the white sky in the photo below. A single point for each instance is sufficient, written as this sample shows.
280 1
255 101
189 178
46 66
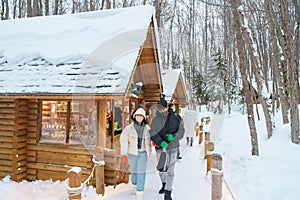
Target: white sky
271 176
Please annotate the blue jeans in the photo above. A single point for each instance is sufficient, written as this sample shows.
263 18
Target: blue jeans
138 166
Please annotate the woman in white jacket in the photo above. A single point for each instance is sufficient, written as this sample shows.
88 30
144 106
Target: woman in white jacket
136 148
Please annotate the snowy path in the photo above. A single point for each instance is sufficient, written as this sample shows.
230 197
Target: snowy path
191 181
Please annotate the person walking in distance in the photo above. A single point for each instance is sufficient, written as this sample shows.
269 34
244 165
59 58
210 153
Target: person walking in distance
190 119
166 131
136 148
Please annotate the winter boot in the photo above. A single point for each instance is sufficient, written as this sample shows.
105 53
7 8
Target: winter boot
133 191
191 141
162 190
168 195
187 141
139 195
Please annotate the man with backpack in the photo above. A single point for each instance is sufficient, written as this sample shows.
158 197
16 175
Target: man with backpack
166 131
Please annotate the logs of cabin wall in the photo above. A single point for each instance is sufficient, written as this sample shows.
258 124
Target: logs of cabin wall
32 135
54 161
13 136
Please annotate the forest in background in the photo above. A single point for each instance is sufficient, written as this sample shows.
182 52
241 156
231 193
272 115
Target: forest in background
230 51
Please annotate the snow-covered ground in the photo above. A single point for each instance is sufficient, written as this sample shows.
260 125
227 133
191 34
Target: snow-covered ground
271 176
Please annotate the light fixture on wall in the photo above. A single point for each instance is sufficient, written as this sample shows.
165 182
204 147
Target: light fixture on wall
136 89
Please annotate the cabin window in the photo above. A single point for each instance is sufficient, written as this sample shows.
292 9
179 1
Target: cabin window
83 120
71 122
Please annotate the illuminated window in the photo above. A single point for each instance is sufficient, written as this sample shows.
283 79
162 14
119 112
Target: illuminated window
73 122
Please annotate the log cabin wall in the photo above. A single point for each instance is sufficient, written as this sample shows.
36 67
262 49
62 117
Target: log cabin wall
7 131
19 165
13 130
32 137
54 161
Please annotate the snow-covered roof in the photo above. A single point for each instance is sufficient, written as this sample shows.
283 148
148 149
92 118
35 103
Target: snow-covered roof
170 79
92 52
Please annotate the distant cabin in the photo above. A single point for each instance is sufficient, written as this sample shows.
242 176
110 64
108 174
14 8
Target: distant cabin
69 83
174 87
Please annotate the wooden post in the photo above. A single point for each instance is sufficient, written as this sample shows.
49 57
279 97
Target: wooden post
217 175
74 175
99 169
201 132
200 137
197 128
210 148
207 139
101 135
202 120
207 120
201 126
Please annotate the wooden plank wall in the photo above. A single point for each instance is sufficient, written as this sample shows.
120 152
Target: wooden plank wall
54 161
20 140
7 120
32 137
13 130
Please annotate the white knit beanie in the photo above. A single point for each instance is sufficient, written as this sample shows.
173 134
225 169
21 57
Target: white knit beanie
140 111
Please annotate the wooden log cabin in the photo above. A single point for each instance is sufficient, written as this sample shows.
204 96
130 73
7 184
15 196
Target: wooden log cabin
68 84
174 88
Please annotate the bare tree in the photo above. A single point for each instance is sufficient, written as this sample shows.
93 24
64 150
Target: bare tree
289 52
92 5
238 34
29 8
108 4
46 7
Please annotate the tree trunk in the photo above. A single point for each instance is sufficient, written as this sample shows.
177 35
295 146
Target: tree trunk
35 8
238 34
29 8
258 78
102 5
206 39
2 9
6 15
294 84
276 62
108 4
290 54
157 12
226 49
92 6
46 7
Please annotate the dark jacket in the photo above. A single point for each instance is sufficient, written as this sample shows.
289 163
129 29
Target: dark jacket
166 123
